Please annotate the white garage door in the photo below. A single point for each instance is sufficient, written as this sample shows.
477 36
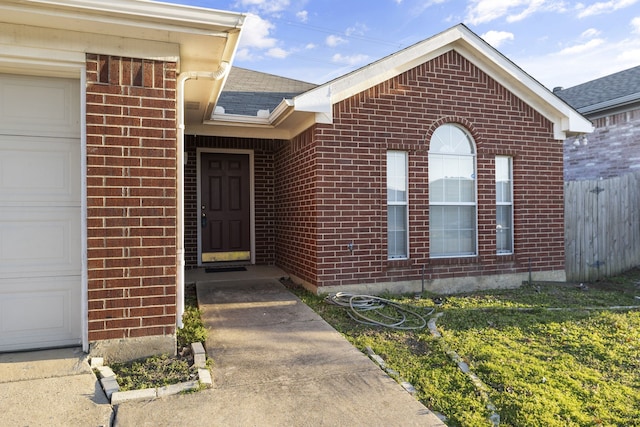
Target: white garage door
40 260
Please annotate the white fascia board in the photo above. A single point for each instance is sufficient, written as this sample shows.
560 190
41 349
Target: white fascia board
174 15
318 102
239 120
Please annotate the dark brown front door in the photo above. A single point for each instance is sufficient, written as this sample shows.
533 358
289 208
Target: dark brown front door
225 211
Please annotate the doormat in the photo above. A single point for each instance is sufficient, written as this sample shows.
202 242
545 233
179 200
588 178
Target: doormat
223 269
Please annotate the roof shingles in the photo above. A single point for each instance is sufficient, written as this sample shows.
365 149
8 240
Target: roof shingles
246 91
615 86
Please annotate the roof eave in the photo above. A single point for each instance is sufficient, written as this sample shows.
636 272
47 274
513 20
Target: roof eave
132 13
616 103
284 122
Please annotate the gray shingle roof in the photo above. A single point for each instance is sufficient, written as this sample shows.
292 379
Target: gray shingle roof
620 86
247 91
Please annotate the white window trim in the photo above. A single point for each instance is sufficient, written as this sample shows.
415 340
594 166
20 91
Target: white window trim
396 203
511 252
475 204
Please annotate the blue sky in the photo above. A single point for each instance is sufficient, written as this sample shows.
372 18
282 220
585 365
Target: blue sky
558 42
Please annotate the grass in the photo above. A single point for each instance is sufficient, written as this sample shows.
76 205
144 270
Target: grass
162 370
548 355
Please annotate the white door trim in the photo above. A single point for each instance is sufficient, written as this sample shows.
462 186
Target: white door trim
199 152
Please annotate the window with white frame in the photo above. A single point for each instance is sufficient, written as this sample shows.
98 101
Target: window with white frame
397 205
504 205
452 193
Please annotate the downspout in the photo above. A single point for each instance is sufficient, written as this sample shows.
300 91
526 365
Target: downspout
220 73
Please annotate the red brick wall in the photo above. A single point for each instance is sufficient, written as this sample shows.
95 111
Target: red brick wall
264 193
297 207
333 180
131 197
613 149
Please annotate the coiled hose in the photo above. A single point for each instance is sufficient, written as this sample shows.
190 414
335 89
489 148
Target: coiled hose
376 311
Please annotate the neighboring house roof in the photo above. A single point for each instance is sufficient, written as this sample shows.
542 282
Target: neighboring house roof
294 115
248 92
615 90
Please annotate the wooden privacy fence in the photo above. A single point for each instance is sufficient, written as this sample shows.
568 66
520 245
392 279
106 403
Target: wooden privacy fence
602 227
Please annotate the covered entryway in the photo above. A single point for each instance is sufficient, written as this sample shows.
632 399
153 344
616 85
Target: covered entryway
225 207
40 212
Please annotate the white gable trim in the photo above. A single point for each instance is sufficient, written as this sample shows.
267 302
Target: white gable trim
459 38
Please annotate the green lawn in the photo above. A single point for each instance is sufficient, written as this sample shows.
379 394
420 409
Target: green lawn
548 355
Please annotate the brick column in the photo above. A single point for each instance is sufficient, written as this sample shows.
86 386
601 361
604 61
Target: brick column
131 206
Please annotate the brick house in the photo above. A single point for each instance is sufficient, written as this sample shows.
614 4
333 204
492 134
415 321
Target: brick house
92 97
612 103
119 167
443 158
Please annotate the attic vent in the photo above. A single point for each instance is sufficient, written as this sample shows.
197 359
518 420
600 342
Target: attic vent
263 113
219 110
192 105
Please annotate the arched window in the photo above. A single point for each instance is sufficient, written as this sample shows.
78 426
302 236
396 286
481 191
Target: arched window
452 193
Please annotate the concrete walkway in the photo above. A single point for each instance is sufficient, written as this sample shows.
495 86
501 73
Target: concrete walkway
277 363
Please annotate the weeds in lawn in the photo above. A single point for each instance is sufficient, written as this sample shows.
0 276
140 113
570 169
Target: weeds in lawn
193 330
550 355
155 371
158 371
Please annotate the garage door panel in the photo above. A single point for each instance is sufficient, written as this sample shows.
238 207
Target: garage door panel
40 213
39 170
39 241
37 313
39 106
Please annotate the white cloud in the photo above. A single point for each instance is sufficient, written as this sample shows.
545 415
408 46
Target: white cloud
582 48
635 23
533 7
605 7
497 38
631 56
244 55
351 60
334 40
265 6
310 46
575 65
591 32
357 30
482 11
276 52
256 33
303 15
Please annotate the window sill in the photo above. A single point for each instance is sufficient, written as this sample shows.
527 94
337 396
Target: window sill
455 260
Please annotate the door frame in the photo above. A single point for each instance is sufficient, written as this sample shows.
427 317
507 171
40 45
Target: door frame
250 153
